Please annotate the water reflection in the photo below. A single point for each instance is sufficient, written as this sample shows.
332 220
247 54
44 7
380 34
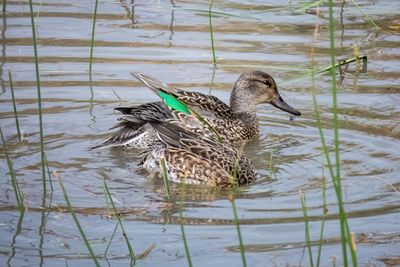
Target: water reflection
3 49
14 238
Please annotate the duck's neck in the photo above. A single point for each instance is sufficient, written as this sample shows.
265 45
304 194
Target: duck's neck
242 103
245 109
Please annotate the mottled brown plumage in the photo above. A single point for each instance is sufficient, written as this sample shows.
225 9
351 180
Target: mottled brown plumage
195 159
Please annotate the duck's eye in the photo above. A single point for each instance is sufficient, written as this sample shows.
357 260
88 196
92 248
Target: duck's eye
267 82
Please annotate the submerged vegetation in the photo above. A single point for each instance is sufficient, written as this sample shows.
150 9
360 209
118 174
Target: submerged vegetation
331 154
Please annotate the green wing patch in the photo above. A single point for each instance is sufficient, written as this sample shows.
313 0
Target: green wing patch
174 103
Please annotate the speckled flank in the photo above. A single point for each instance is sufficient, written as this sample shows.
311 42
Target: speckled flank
193 158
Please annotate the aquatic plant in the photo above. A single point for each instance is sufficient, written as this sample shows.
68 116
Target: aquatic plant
39 99
75 218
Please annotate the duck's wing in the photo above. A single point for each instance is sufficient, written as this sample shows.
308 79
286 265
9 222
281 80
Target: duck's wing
205 105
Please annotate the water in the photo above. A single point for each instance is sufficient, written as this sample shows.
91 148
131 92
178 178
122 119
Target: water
171 41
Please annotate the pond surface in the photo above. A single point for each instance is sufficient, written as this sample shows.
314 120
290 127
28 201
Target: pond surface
171 41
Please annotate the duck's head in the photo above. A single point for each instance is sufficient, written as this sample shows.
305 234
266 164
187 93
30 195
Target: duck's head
257 87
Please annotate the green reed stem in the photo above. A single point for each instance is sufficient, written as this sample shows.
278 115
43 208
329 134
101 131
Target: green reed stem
341 63
309 5
185 243
42 159
92 39
14 105
376 27
325 151
165 179
307 228
324 213
116 214
235 180
75 218
4 7
239 233
271 163
337 177
111 239
48 172
212 34
344 227
19 196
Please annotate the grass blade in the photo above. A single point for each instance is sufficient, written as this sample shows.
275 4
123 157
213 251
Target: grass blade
111 239
324 213
70 210
181 197
307 228
19 196
319 126
376 27
212 34
42 159
116 214
165 179
344 227
14 105
239 233
92 39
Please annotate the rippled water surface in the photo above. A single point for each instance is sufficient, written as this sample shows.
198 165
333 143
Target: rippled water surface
171 41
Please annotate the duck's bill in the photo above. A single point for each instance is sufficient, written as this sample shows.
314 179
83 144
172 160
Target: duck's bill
281 104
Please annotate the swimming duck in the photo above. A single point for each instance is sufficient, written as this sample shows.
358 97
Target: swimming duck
232 123
192 158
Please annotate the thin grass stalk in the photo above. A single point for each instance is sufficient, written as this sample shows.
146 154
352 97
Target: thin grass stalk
232 200
344 227
212 34
234 180
69 206
42 159
19 196
341 63
124 234
14 105
212 80
165 179
92 40
239 233
307 227
337 177
319 125
376 27
271 164
48 172
324 213
111 239
4 7
185 243
310 5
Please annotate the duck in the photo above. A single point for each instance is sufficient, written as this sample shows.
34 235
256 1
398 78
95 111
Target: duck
228 123
192 158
